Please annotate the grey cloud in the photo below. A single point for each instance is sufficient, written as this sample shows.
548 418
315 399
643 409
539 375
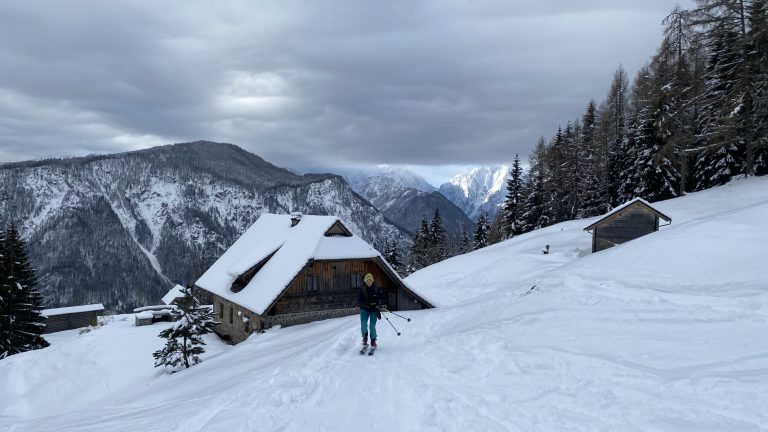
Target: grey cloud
311 83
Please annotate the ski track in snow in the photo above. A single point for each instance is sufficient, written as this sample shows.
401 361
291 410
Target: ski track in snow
667 333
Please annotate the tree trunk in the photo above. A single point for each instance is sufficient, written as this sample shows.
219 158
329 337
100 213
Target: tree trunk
184 353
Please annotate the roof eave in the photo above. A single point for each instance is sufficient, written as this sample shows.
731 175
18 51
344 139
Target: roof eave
636 201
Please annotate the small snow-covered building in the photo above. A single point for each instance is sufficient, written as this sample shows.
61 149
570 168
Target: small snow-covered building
627 222
293 269
73 317
174 296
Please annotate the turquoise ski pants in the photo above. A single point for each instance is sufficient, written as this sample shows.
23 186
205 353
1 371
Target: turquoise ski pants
364 317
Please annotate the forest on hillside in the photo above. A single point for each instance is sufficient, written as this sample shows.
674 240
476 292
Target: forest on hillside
694 117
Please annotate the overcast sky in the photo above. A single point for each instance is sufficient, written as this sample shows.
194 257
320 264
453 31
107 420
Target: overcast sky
432 84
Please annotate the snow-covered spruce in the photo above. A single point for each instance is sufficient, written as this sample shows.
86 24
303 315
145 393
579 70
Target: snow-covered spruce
20 303
184 338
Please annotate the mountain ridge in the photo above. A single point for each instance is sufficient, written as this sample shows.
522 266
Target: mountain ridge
119 228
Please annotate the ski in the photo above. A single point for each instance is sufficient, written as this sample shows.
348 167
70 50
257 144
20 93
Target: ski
370 353
362 351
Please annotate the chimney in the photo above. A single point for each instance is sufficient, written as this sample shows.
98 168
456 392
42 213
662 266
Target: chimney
295 218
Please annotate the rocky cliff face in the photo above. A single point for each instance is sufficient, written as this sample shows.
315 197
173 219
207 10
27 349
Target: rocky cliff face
121 229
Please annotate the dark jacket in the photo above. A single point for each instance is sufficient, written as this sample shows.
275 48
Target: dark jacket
369 297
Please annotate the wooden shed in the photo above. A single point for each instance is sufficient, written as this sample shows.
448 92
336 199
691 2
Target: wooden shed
175 297
634 219
74 317
295 269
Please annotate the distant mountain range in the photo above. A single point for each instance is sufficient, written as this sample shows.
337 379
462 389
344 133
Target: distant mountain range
406 198
394 190
121 229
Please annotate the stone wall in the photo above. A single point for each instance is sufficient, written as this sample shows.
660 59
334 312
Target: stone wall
235 322
244 322
305 317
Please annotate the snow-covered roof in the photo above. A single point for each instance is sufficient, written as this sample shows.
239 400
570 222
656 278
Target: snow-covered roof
173 294
72 309
625 205
292 246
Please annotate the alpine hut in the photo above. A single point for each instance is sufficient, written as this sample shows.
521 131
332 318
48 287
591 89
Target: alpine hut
293 269
73 317
627 222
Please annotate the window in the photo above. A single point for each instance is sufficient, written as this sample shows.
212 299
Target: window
221 310
357 280
231 315
312 284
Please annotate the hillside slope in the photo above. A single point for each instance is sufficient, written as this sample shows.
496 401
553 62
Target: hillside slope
668 332
121 229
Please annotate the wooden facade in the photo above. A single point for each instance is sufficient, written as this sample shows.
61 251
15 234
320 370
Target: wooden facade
64 319
321 290
632 221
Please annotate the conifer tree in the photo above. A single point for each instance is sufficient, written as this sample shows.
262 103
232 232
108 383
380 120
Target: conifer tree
184 339
536 212
720 158
593 195
496 229
392 256
615 117
569 187
420 248
21 324
758 64
464 242
438 241
513 202
481 232
658 177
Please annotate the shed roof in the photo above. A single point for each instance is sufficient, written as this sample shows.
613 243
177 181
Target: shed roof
635 202
286 249
72 309
173 294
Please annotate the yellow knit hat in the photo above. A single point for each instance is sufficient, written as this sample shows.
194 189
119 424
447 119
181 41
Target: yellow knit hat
368 277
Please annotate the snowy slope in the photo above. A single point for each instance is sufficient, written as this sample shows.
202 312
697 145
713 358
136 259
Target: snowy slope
668 333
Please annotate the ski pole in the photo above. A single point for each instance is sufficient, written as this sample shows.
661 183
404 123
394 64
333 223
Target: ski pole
393 313
397 314
390 323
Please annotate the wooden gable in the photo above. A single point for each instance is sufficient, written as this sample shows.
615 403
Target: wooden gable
637 205
632 221
331 284
338 229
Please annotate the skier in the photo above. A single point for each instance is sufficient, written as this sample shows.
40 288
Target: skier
369 300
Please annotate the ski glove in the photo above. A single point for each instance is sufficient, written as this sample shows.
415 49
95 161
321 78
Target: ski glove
378 314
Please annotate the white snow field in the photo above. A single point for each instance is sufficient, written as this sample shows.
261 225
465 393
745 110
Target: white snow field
665 333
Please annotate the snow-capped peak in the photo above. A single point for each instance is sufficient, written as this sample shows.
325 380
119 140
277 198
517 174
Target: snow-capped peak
478 189
482 180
